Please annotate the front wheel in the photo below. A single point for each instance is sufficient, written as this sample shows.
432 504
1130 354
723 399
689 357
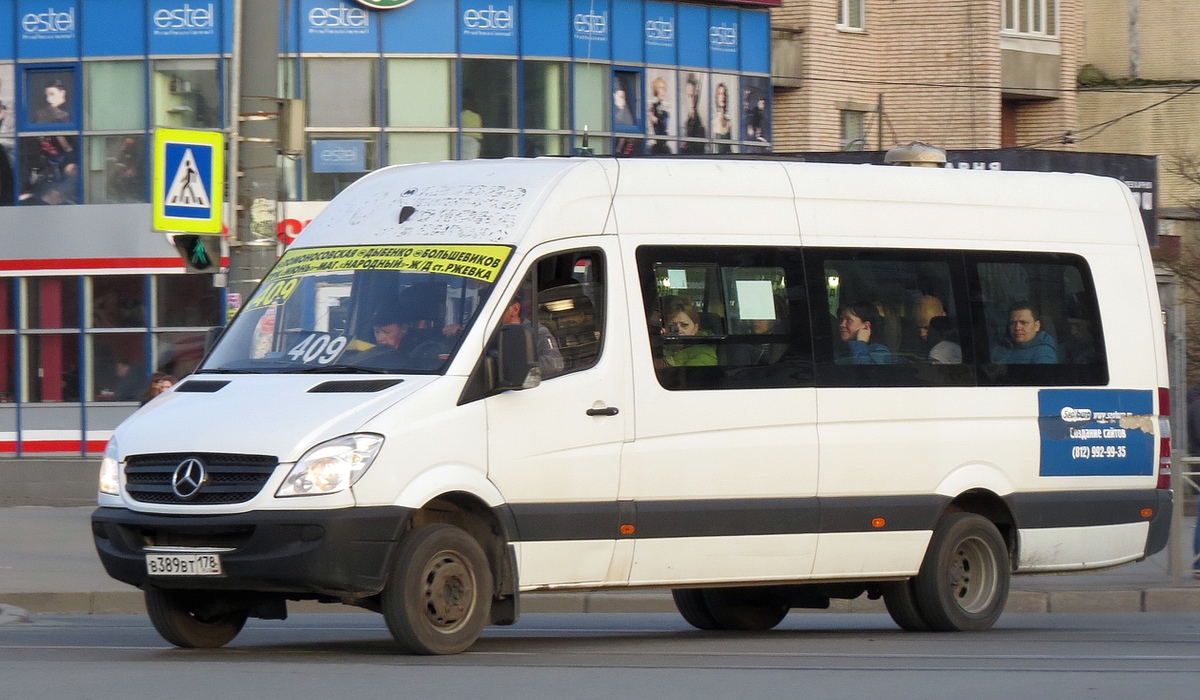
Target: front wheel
439 596
193 619
963 582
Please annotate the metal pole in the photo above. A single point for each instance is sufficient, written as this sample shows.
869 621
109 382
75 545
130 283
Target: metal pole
1176 334
879 125
256 144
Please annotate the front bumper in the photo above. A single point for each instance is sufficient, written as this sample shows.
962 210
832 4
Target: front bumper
342 553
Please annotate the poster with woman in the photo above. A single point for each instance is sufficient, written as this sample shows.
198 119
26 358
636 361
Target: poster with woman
695 116
724 120
756 111
661 119
49 170
50 100
8 143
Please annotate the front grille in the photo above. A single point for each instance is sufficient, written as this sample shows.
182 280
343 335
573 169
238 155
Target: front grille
230 478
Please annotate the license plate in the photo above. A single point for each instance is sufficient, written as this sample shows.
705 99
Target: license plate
184 565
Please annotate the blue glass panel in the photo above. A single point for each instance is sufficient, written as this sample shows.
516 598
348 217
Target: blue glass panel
756 41
419 27
289 27
660 32
627 30
724 35
184 27
114 28
488 27
47 29
693 36
545 26
338 26
590 30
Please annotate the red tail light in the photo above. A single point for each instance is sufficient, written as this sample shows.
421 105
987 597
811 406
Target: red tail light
1164 443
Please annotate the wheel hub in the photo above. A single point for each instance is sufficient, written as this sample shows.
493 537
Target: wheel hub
449 591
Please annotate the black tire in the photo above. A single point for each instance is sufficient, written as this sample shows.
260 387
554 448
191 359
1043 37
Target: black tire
691 604
193 620
439 596
746 609
901 602
963 582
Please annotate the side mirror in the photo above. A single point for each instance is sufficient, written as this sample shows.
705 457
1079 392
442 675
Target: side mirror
211 336
517 363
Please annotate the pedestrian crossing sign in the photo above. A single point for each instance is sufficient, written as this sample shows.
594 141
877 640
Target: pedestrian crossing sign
189 180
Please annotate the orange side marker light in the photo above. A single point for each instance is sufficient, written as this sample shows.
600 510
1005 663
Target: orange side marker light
627 529
878 522
1147 512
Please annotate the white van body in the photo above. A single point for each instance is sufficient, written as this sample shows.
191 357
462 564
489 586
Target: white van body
747 493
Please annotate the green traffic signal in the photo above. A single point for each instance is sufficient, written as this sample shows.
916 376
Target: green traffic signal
199 253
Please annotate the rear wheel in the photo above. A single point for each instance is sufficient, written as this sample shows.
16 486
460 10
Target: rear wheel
747 609
194 619
691 604
901 602
438 598
963 582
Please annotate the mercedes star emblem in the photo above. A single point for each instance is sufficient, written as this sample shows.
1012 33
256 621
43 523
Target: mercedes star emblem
189 476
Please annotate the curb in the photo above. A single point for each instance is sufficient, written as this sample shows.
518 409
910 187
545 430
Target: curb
15 607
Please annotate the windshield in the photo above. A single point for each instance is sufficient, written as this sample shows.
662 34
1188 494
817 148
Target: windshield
371 309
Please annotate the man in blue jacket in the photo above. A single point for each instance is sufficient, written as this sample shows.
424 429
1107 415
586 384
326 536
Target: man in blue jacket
1026 342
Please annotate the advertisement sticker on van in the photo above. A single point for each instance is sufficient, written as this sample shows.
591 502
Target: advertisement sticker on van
1096 432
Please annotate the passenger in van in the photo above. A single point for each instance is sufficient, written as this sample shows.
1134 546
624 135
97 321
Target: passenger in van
684 320
1025 343
857 322
943 338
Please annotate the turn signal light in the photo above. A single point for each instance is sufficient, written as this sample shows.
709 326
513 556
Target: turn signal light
627 529
1147 512
878 522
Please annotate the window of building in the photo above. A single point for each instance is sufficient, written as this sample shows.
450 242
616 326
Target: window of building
49 170
546 89
189 301
52 302
51 367
854 130
419 147
1030 17
489 104
338 159
118 301
117 360
116 169
341 91
186 93
103 81
852 14
592 100
420 92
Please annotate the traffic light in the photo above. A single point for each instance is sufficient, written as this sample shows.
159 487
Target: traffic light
199 253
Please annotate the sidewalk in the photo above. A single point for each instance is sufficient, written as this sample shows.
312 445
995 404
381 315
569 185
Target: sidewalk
48 565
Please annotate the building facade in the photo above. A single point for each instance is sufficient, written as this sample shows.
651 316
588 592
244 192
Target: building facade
92 299
962 74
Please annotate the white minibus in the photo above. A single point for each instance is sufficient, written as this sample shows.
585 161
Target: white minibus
760 385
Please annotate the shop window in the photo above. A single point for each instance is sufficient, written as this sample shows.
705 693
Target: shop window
116 169
53 302
336 160
420 92
724 120
591 98
52 367
661 115
545 145
118 301
695 113
419 147
118 362
854 130
8 368
546 94
178 353
49 170
187 301
8 305
186 93
488 103
340 91
104 79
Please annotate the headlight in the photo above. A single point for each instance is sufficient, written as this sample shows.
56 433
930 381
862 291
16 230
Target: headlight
110 470
331 466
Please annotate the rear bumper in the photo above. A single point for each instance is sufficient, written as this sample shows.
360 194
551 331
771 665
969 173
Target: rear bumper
309 553
1160 523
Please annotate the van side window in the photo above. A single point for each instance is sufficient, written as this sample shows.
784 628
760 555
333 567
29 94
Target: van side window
726 317
1038 315
567 309
890 318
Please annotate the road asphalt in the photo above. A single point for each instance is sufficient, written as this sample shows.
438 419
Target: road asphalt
49 566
